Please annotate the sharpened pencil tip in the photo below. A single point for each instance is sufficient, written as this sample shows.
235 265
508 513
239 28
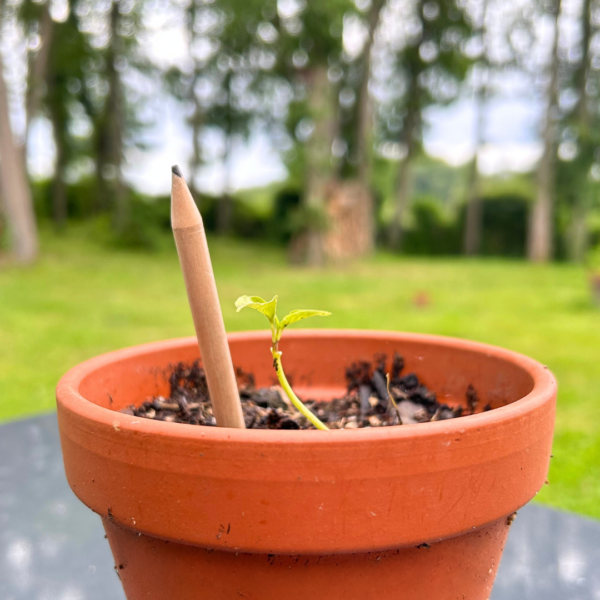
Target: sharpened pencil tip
176 170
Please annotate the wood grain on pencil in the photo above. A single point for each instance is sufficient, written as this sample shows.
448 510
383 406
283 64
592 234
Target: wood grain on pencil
194 257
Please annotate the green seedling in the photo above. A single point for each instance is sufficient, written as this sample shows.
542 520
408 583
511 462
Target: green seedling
268 309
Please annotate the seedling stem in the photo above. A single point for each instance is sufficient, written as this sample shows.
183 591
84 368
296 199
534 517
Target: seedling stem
268 309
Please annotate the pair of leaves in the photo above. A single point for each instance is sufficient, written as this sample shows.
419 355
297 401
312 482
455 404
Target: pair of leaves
269 310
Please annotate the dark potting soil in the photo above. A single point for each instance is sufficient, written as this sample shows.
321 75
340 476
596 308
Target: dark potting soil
365 404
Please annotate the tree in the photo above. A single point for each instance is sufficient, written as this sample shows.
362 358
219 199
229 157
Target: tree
343 223
429 66
110 125
112 95
310 55
474 215
59 62
194 13
245 57
580 130
229 44
364 116
16 195
350 201
37 18
541 219
65 101
501 33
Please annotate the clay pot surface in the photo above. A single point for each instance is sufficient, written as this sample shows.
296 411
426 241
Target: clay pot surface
417 512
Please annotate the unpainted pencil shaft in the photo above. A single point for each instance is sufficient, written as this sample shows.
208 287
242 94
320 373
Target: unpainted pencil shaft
194 257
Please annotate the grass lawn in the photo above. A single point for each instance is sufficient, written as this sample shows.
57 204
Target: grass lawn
80 300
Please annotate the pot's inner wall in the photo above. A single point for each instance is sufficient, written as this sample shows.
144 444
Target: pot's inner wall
316 366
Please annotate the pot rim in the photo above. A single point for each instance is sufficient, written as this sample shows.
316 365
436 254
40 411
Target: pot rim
544 389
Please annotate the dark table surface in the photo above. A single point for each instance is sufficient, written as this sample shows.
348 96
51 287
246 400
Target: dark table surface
53 548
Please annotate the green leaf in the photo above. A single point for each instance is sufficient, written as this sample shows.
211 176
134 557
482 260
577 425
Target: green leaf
257 303
298 315
244 301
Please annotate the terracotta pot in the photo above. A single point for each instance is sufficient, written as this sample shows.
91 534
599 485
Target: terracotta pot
419 512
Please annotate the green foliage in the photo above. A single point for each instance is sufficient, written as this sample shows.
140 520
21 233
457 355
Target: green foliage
431 178
285 204
81 198
94 109
251 65
308 218
233 73
318 38
151 216
311 40
504 230
143 230
66 99
148 219
434 231
434 227
428 69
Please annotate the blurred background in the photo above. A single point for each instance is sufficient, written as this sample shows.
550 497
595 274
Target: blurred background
421 165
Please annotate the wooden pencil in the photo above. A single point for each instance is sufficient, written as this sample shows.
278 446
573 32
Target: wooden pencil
196 265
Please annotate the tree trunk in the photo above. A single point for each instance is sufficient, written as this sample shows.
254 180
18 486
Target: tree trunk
224 213
350 209
116 113
59 200
111 128
364 122
474 217
197 118
38 67
582 110
541 218
404 180
225 203
59 189
196 159
58 113
319 169
578 230
350 218
18 205
412 128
